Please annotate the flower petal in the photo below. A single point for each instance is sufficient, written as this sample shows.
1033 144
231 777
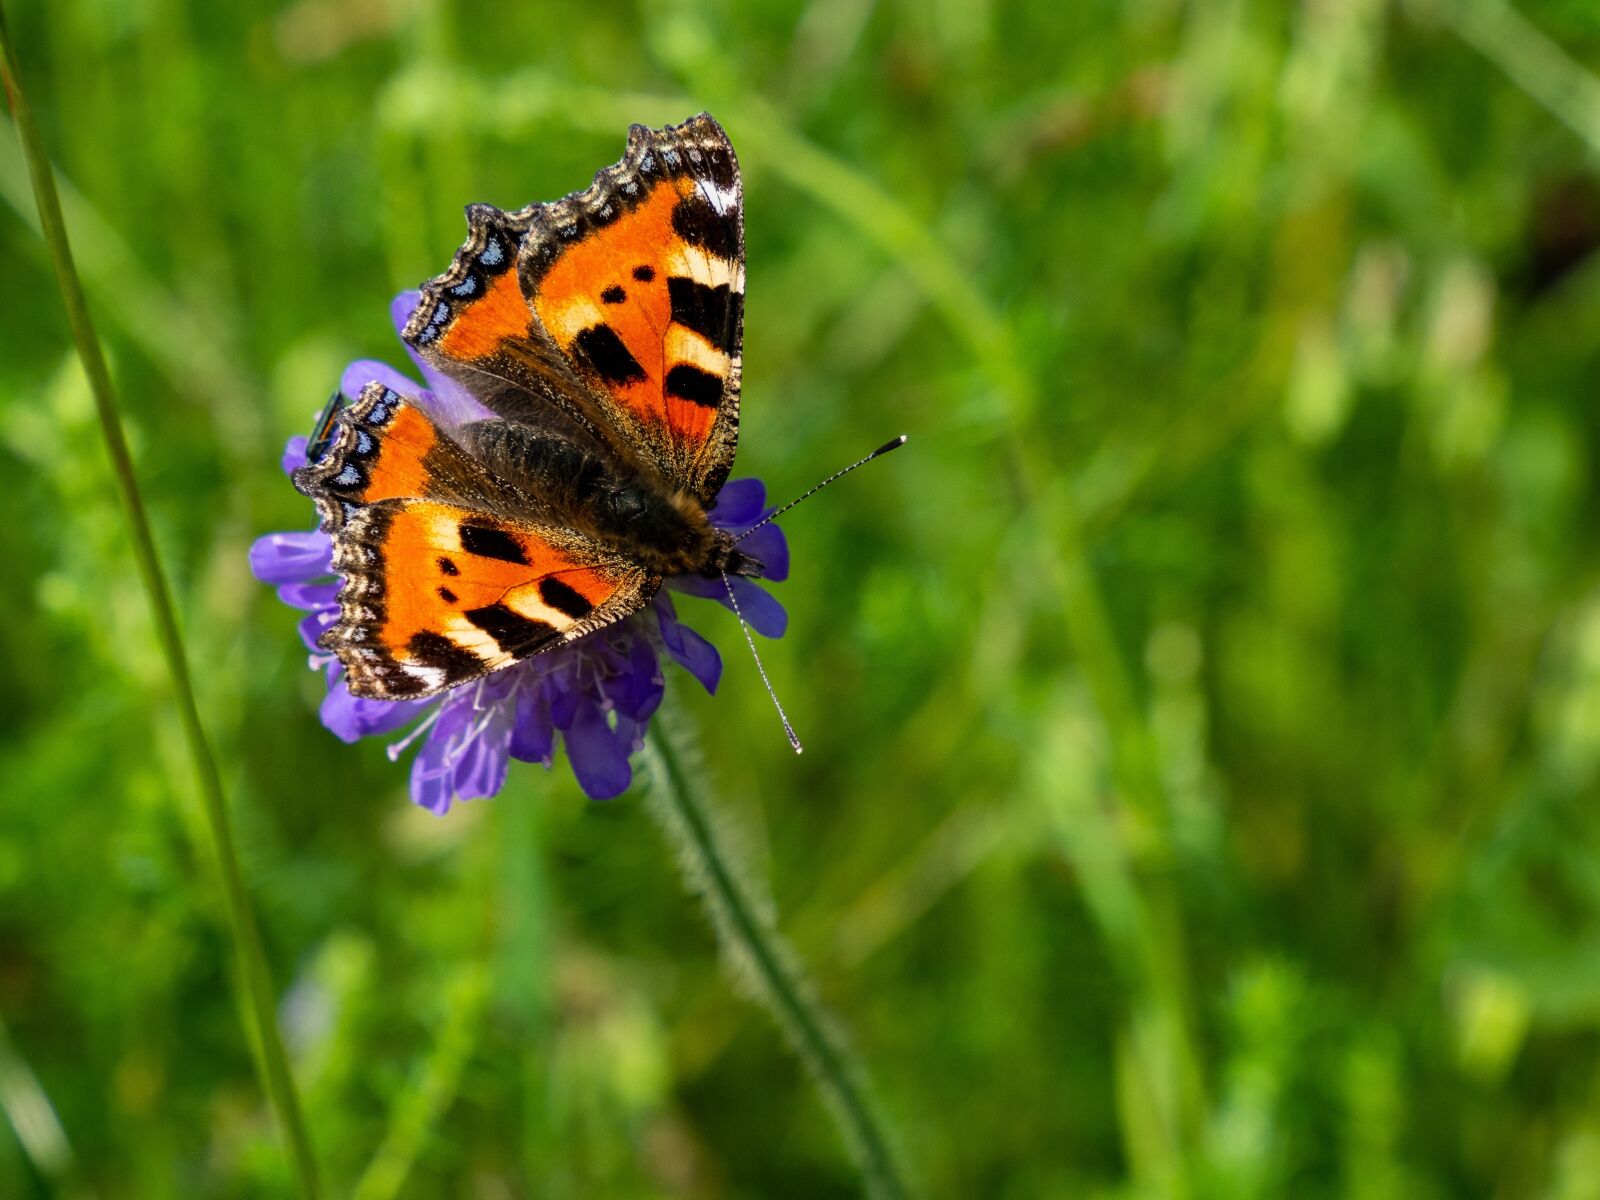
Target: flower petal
739 504
456 714
692 652
667 619
759 609
698 585
433 772
533 734
481 772
294 453
446 400
369 370
449 403
630 733
431 782
599 758
351 718
565 695
291 557
310 596
652 683
311 628
635 684
769 546
400 310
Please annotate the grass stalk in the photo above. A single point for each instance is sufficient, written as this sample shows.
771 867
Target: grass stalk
34 1121
1531 60
272 1063
761 959
414 1117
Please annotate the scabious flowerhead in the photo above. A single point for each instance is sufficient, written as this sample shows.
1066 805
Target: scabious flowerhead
592 698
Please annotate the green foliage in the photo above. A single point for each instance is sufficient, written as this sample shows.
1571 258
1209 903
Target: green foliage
1202 712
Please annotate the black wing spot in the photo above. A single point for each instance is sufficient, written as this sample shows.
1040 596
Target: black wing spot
436 650
399 684
488 542
446 567
703 309
643 273
694 385
613 295
564 599
609 357
696 222
447 595
517 635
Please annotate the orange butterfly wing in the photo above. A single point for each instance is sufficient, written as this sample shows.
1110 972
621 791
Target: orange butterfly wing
632 307
447 576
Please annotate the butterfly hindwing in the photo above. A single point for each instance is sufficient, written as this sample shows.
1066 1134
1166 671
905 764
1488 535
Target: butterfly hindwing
449 573
633 306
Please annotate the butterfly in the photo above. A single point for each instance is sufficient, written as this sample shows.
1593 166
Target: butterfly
602 332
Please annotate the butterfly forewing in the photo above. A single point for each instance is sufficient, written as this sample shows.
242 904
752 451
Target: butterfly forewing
632 303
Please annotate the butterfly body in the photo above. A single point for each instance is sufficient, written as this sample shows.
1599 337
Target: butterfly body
603 333
669 531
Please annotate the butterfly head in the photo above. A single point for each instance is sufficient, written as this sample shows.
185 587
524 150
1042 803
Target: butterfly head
726 558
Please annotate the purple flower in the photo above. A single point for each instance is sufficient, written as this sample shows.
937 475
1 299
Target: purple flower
594 697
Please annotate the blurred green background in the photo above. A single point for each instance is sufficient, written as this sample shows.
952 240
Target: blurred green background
1202 713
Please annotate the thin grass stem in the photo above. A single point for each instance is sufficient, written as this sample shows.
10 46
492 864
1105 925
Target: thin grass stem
271 1061
1531 60
414 1117
760 957
34 1121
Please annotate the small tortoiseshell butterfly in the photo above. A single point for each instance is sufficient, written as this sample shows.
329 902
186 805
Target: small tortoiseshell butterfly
603 332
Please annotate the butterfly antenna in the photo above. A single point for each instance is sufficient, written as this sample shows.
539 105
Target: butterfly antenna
806 495
751 642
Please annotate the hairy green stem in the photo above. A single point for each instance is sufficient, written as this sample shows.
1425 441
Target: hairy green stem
270 1058
758 954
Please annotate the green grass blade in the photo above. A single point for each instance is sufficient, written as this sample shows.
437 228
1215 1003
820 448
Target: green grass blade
270 1057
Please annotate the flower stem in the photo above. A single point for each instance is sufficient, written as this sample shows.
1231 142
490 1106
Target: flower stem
271 1061
760 957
